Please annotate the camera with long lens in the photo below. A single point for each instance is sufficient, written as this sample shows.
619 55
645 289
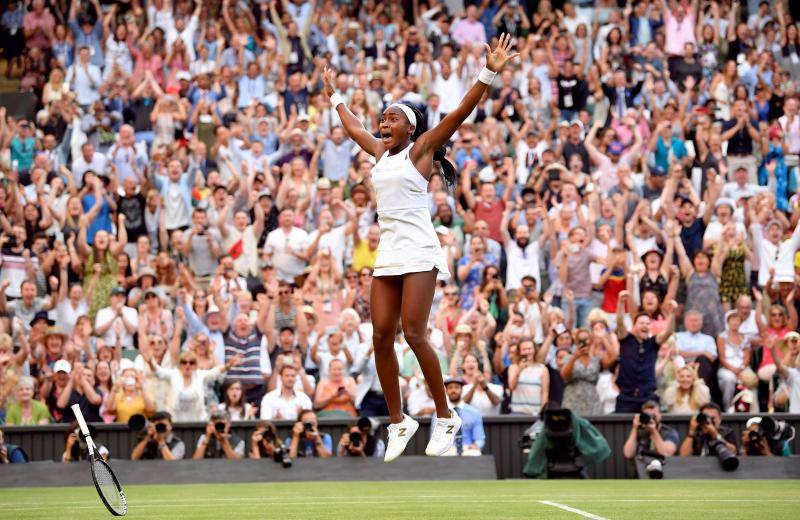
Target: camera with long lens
727 459
774 431
702 420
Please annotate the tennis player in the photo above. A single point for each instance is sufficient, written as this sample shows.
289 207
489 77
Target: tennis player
409 255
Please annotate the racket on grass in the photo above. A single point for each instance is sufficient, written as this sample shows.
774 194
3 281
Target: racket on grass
104 479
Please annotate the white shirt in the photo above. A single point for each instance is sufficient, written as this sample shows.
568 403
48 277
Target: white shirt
780 257
698 343
80 166
480 401
335 240
106 314
287 264
521 262
274 402
794 390
187 403
84 82
67 315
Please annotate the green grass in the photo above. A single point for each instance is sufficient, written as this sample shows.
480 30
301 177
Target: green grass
618 499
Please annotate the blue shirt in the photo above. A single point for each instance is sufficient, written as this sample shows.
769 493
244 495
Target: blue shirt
305 448
471 426
637 367
698 343
102 222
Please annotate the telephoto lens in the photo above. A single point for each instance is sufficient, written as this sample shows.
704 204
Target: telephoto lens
727 459
161 428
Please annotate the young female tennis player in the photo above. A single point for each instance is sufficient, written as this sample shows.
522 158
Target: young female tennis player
409 256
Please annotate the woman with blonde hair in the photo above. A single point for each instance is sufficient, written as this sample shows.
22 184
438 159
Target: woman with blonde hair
465 341
734 352
56 88
26 411
687 394
528 381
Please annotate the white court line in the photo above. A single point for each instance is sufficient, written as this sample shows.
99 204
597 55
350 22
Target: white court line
571 510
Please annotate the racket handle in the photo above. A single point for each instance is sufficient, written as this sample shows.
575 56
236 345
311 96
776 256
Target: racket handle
76 409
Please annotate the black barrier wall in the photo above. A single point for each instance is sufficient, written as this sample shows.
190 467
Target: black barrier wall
502 439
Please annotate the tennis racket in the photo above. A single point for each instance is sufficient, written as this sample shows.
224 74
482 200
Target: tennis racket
104 479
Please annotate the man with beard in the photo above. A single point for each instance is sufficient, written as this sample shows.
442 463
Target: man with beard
522 253
444 217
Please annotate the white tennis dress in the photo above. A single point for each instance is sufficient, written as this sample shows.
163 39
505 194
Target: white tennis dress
408 242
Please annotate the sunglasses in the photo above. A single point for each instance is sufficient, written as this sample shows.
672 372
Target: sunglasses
187 362
283 293
150 297
451 293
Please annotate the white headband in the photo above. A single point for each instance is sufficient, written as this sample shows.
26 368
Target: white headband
407 111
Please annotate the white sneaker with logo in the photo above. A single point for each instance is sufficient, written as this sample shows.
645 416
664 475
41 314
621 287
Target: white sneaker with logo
399 435
444 435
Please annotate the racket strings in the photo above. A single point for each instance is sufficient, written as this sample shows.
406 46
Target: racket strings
108 487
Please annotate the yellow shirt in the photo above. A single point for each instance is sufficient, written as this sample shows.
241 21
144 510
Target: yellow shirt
363 256
126 408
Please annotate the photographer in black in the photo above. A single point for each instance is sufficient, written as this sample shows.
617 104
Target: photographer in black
265 444
764 436
218 442
306 440
157 441
708 436
650 441
359 441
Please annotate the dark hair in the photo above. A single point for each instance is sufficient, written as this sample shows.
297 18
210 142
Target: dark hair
162 416
711 405
447 169
228 404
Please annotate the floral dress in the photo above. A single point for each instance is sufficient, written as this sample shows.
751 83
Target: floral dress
106 282
733 283
580 393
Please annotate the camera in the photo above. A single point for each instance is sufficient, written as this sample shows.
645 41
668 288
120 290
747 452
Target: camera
355 439
646 418
775 432
702 419
219 426
282 455
754 440
308 427
161 428
727 459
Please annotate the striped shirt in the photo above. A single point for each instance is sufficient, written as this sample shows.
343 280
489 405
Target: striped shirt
255 363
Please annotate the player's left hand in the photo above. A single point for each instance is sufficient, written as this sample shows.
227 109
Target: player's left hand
496 59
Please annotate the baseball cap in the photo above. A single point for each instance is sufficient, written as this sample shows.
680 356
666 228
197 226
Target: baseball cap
62 365
324 184
303 117
564 124
724 201
655 171
454 379
41 315
615 148
487 174
116 291
577 122
265 193
183 75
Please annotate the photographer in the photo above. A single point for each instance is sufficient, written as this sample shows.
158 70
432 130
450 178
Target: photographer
705 429
75 448
11 453
764 436
648 434
218 442
157 441
306 441
265 444
360 442
649 440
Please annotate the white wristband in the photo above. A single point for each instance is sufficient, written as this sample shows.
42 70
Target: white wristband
486 76
336 100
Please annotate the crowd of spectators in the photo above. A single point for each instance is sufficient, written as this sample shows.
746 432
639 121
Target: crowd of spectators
187 233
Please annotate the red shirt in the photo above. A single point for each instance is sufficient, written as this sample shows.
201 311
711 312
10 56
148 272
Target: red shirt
493 215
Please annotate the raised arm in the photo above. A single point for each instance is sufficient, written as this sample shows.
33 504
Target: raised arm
436 137
352 125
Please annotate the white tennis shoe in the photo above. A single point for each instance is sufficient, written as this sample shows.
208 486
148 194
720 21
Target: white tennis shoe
399 435
444 435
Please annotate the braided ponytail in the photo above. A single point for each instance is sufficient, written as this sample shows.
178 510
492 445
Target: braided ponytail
446 168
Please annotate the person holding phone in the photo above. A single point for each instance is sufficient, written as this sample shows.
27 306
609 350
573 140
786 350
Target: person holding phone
336 394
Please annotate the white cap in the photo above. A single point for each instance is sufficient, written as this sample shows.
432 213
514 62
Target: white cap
753 420
125 364
62 365
212 308
487 174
